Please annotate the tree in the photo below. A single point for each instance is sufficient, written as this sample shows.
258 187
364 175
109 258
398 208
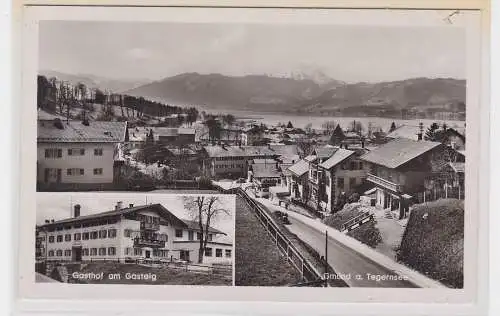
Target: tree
305 146
205 210
432 133
289 125
228 119
392 128
337 136
214 128
357 127
308 128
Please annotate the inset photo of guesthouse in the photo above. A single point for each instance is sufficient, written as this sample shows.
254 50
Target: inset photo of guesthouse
121 238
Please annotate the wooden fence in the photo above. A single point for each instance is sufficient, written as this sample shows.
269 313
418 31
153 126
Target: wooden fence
307 271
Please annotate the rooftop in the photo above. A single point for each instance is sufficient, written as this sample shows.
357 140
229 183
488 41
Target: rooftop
325 152
339 156
262 170
239 151
405 131
76 131
299 168
398 152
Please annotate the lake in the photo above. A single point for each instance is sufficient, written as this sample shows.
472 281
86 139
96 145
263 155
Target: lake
345 122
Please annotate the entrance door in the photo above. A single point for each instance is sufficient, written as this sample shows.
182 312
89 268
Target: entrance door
148 253
76 254
184 255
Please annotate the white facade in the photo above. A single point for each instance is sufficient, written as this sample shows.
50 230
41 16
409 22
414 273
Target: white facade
123 239
83 163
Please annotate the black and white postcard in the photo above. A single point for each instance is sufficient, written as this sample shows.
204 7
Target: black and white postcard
278 154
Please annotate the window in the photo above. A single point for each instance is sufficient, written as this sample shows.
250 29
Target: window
67 237
178 233
97 171
94 235
67 253
85 251
360 165
76 152
127 232
77 236
75 172
59 238
340 183
228 253
137 251
209 237
103 233
59 253
51 253
208 252
198 236
98 152
86 236
53 153
93 251
51 239
218 253
128 251
191 235
111 251
112 233
102 251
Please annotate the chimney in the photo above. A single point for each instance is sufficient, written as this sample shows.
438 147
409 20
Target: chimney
119 205
76 212
131 205
421 130
47 221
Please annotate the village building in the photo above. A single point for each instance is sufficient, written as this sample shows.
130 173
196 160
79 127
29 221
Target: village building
251 136
233 161
264 173
79 154
344 173
128 234
297 179
399 169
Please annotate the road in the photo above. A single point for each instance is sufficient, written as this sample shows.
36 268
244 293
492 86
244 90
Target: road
356 269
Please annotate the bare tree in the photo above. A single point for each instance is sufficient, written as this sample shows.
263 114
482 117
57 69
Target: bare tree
328 127
204 210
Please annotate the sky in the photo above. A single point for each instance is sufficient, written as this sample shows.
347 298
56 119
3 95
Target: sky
59 205
153 50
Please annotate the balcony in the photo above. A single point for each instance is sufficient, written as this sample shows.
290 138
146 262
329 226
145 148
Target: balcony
141 242
150 226
381 182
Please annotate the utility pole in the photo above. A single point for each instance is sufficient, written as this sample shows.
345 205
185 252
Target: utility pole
326 257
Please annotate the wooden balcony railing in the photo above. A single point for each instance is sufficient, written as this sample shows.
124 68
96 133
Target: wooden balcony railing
384 183
141 242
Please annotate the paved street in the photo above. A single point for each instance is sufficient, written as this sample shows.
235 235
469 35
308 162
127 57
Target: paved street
344 260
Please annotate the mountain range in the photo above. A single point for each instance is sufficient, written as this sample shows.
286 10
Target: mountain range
302 94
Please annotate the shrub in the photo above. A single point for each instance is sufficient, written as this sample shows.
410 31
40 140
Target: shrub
433 241
353 198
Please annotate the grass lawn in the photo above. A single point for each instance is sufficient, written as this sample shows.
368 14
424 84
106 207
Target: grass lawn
258 260
164 275
433 242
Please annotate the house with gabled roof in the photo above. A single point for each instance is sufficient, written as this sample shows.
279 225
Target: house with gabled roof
127 234
399 169
343 173
79 154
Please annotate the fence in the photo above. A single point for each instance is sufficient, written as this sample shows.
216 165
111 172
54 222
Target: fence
307 271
